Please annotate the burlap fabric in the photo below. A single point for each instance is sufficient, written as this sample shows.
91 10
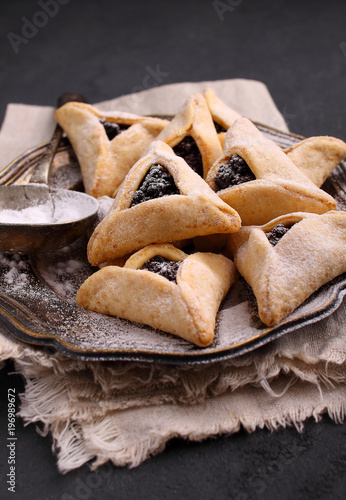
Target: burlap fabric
127 411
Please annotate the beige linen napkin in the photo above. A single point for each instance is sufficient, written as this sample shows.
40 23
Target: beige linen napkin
126 411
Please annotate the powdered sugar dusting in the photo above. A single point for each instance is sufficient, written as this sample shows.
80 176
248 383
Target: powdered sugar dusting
60 275
14 275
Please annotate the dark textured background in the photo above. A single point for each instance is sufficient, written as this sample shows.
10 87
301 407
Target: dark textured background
102 49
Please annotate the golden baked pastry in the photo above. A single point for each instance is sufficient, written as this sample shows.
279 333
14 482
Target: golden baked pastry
289 258
317 157
106 144
223 116
259 180
165 288
192 135
181 244
161 200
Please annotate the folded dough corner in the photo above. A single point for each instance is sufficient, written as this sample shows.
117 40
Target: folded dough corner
285 273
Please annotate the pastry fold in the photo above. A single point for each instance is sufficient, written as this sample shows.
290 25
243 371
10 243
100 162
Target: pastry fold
279 186
194 119
104 163
317 157
196 211
222 114
311 253
186 308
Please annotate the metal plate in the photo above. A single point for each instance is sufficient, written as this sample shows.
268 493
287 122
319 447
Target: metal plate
37 296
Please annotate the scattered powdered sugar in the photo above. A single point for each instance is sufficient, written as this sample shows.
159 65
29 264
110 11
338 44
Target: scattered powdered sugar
64 270
14 268
61 275
49 291
45 287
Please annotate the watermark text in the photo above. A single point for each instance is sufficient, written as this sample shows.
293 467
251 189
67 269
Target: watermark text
30 27
11 440
224 7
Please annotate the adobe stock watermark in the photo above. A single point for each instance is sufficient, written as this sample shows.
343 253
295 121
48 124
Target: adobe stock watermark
225 6
11 440
342 46
85 489
40 19
288 117
154 76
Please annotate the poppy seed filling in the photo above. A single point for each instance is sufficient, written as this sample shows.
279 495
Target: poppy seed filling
164 267
112 129
236 171
157 182
275 235
188 149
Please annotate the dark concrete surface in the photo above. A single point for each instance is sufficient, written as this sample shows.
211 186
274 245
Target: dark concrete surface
102 49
